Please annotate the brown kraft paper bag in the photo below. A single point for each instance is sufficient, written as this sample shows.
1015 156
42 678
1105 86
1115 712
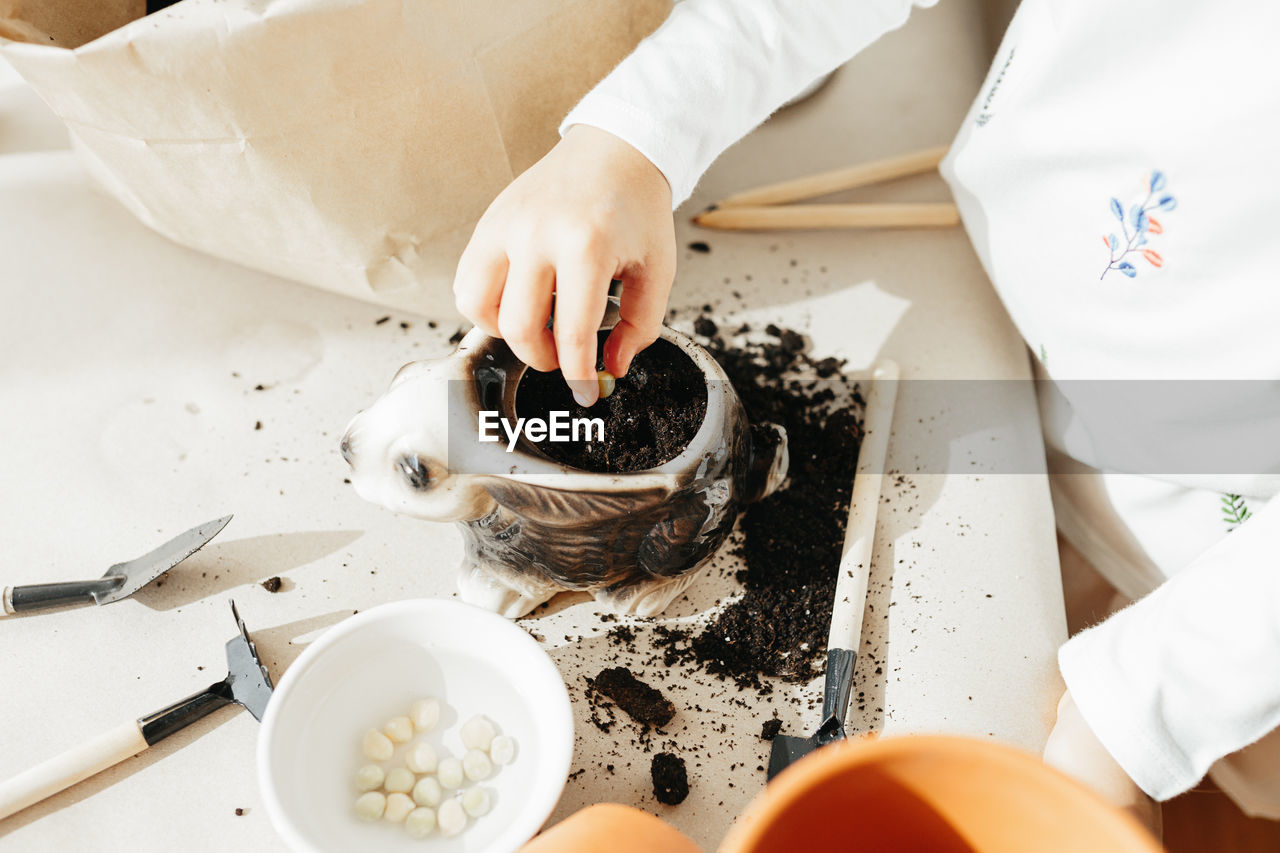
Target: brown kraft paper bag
348 144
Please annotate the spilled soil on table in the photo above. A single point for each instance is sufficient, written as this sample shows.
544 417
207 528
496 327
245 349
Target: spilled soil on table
792 540
775 627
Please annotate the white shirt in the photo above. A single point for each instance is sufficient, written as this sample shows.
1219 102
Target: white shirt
1116 176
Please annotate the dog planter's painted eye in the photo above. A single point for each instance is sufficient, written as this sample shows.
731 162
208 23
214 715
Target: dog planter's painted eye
416 472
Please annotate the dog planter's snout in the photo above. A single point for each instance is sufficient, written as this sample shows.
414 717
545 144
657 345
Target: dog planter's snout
533 527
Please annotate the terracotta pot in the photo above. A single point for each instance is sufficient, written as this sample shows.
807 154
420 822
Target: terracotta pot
534 527
931 794
611 828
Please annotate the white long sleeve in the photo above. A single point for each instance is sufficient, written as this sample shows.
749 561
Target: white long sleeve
717 68
1191 673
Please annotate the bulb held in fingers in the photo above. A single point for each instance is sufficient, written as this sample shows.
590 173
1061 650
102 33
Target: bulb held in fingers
607 382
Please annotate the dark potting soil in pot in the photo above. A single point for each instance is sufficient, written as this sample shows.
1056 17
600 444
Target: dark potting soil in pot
652 414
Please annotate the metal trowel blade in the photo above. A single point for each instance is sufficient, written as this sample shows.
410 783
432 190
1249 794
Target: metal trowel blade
788 749
135 574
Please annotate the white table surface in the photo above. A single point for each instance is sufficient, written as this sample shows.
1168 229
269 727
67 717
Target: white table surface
128 367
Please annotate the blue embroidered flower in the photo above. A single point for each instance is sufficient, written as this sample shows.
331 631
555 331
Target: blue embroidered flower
1142 224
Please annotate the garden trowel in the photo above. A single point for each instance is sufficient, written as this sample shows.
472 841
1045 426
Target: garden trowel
121 580
855 571
247 683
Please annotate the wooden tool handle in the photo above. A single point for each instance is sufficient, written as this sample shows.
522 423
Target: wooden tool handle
824 183
860 534
824 216
75 765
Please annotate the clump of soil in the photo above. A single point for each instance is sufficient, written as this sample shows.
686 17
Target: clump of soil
770 729
272 584
652 414
643 703
792 540
705 326
670 781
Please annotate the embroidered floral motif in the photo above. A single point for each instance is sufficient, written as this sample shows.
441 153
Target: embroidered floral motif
1142 223
1235 511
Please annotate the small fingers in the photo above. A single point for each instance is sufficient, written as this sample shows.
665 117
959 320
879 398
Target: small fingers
582 292
522 317
478 285
640 308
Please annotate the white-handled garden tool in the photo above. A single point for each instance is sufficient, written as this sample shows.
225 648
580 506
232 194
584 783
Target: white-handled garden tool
855 571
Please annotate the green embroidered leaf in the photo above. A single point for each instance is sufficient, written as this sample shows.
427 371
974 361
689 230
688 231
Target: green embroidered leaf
1235 511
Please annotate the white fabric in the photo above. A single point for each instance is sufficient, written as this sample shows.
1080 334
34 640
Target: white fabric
714 70
1087 101
1186 676
1138 531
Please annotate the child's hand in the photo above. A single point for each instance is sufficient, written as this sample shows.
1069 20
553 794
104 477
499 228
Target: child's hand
592 210
1074 749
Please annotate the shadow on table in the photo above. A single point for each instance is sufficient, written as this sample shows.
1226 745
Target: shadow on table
118 773
221 566
280 646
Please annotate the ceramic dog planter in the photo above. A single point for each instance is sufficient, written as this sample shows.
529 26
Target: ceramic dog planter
534 527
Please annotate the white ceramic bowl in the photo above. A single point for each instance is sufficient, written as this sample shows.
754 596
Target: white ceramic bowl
368 669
